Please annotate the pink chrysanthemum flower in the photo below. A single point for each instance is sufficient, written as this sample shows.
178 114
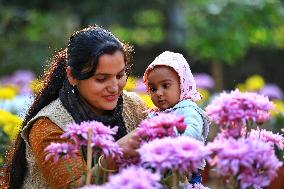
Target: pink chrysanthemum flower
79 132
135 178
182 153
233 131
102 137
228 155
237 109
252 162
102 140
125 162
107 147
161 126
60 150
263 168
268 136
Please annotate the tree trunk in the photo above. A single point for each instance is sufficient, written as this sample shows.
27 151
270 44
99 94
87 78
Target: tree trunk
217 73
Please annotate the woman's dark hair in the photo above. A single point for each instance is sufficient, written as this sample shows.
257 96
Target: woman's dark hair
82 55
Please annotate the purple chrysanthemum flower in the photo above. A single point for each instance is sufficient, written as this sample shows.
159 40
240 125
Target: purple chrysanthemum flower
236 109
233 131
125 162
204 81
182 153
251 161
140 86
134 178
108 147
228 155
21 79
268 136
102 137
161 126
272 91
79 132
263 168
60 150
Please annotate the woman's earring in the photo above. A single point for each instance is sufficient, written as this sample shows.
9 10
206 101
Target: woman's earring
73 87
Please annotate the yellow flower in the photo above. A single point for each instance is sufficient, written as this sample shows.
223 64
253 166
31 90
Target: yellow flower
35 85
8 93
130 84
241 87
254 83
10 123
279 107
146 98
205 95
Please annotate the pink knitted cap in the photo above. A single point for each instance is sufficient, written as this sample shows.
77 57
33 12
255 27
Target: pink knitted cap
180 65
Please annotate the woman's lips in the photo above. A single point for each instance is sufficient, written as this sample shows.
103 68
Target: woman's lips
110 98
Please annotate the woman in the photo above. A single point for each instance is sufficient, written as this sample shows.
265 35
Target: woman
85 82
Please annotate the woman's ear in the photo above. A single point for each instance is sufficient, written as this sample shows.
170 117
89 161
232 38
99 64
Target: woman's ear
70 78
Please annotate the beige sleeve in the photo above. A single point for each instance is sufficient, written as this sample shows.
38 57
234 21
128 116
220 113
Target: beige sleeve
134 110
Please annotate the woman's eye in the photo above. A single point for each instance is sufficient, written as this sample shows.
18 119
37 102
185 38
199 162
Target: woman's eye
100 79
120 76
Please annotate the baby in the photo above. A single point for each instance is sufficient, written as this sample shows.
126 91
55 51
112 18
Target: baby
172 89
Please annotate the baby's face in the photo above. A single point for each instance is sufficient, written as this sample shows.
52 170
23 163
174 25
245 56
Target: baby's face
164 87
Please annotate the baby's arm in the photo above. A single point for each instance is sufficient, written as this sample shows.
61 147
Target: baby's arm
194 122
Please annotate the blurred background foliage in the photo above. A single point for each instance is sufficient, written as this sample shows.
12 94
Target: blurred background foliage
219 36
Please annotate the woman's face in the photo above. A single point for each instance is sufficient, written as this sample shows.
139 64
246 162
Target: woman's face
101 91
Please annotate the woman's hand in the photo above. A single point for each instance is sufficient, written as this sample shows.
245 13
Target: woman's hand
129 144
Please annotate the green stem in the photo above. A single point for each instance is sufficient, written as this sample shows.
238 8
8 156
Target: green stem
105 174
98 174
232 182
83 162
89 157
175 179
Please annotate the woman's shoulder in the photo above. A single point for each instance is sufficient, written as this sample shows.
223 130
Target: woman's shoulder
130 95
134 110
55 112
132 98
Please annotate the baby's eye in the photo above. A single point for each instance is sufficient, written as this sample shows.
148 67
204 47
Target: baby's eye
152 89
166 85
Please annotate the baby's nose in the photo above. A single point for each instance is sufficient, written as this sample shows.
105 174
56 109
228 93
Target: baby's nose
159 92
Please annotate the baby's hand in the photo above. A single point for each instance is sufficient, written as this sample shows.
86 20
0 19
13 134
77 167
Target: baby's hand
129 144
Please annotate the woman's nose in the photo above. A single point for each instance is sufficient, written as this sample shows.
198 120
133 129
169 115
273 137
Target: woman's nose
113 86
